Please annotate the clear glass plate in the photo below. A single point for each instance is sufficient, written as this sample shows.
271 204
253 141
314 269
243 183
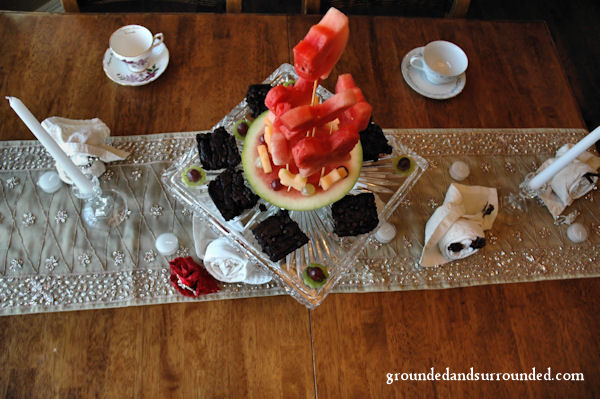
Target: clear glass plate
324 247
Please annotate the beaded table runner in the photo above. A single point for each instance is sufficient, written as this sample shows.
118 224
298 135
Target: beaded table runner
50 261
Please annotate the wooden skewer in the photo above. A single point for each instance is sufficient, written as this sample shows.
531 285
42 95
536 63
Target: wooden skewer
314 101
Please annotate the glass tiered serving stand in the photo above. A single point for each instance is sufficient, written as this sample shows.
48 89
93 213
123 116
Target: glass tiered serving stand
324 246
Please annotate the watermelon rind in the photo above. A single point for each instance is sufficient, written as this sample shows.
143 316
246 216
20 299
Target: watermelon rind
292 200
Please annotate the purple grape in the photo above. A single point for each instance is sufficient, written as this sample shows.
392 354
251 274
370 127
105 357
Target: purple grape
276 185
242 129
194 175
316 274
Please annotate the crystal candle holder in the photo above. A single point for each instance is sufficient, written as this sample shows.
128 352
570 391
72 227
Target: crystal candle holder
102 209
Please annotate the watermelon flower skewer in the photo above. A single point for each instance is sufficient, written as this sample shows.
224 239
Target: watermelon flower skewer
313 141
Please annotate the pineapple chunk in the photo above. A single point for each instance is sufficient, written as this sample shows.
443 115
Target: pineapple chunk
268 133
289 179
264 158
332 177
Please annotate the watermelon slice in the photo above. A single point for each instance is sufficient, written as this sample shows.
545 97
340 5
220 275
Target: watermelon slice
359 115
279 126
322 47
306 117
268 186
283 98
280 152
313 153
344 82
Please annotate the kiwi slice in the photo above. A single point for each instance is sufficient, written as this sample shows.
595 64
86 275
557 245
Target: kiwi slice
240 129
315 275
403 165
193 176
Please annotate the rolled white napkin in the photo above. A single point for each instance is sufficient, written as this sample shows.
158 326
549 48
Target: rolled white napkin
81 139
569 183
256 275
222 260
458 241
226 264
474 208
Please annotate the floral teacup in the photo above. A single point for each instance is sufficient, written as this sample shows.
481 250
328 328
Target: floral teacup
133 44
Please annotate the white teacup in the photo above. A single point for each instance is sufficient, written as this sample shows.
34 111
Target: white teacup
442 62
133 45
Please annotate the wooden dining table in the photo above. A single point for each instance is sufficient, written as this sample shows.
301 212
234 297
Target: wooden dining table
271 347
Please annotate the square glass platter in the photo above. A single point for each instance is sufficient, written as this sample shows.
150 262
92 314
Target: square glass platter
324 247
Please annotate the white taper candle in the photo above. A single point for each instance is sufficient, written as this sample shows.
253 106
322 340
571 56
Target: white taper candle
83 183
541 178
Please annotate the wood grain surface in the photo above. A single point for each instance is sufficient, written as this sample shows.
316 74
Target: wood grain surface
273 347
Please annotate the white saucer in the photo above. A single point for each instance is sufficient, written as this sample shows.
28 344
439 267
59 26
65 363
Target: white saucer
119 73
417 81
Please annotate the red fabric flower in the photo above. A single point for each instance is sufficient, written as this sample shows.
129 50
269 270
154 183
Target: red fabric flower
191 279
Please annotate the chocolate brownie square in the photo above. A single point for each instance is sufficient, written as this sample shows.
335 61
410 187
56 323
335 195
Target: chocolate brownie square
230 194
354 215
373 143
279 235
255 98
217 150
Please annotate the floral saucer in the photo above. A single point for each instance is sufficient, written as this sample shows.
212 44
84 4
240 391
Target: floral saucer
119 73
419 83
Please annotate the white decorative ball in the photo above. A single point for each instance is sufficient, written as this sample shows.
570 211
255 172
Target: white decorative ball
167 244
577 233
459 171
50 182
385 233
